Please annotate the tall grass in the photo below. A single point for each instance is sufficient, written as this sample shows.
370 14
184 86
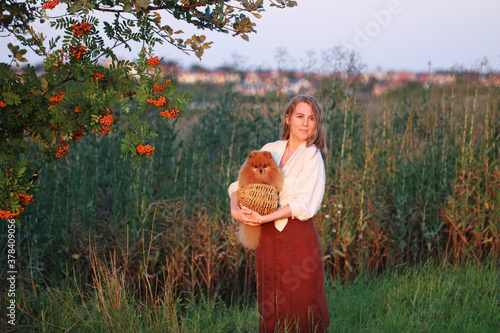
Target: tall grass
432 298
412 175
408 178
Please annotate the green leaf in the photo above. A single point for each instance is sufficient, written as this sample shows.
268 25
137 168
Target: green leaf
128 7
20 172
338 252
11 98
143 3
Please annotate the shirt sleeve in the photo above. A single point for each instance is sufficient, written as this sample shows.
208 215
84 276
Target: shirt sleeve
232 188
309 189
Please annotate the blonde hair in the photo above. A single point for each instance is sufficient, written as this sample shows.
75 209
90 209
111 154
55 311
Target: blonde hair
318 137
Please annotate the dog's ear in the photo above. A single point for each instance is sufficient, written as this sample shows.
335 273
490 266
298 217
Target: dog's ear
252 154
268 154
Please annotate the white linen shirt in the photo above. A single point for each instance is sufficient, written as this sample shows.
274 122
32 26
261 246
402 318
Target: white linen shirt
304 184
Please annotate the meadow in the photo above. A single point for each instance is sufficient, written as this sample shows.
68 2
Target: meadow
410 222
432 298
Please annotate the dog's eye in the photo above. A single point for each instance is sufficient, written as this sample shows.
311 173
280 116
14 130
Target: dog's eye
265 166
256 167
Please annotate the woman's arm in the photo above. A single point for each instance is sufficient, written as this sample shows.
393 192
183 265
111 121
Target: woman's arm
282 213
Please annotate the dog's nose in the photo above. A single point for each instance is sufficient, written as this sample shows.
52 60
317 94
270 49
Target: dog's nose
261 170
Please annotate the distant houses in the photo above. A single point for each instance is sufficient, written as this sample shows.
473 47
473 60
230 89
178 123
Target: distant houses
249 82
262 82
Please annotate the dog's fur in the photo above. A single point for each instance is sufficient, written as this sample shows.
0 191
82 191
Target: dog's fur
259 168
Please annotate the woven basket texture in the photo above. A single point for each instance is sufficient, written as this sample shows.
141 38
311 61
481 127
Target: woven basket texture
261 198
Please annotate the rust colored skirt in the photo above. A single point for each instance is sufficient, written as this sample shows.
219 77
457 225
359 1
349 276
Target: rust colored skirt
291 284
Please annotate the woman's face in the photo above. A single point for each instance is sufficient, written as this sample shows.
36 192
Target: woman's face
301 122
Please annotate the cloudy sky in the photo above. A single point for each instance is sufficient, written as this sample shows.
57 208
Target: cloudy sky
415 35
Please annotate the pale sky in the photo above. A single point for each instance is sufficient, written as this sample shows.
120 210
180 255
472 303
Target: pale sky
390 34
387 34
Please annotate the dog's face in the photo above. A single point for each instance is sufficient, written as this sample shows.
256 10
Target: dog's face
260 168
260 162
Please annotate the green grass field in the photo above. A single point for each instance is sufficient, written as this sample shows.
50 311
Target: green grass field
432 298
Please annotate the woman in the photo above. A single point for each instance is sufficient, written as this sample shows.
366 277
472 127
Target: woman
291 285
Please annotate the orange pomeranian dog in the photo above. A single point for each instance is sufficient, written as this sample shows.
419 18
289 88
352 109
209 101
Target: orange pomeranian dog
259 168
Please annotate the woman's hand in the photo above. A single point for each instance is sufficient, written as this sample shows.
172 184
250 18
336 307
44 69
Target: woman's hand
243 214
246 216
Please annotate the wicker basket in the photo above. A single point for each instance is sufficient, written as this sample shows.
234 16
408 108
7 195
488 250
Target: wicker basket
261 198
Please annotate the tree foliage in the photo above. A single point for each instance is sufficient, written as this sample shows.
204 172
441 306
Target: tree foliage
43 114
